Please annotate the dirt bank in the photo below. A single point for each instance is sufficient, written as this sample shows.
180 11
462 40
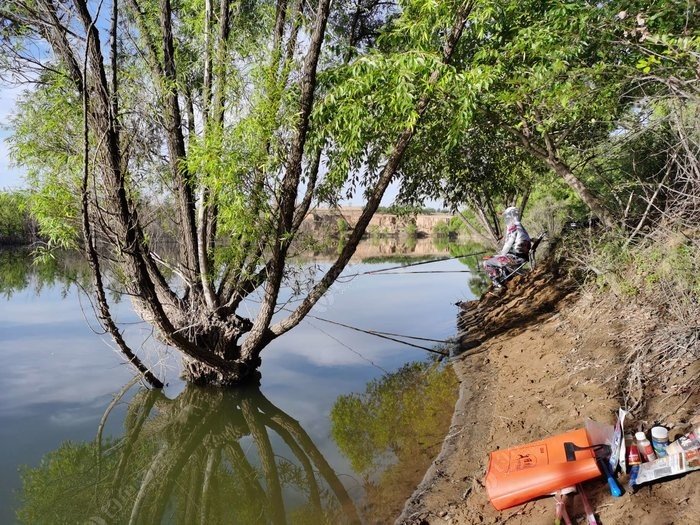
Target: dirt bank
542 376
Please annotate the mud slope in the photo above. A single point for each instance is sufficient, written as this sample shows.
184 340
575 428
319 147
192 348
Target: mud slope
557 360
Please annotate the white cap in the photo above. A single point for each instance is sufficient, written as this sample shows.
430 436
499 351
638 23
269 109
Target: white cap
659 433
640 436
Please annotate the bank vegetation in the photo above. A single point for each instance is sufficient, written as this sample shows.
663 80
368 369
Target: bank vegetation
244 116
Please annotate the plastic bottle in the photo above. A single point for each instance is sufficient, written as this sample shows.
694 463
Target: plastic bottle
659 440
646 451
633 462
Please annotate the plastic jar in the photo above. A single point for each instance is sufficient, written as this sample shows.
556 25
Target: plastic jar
659 440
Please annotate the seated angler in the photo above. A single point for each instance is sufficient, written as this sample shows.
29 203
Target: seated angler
515 252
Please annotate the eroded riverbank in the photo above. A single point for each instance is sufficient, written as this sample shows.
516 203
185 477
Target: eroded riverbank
538 380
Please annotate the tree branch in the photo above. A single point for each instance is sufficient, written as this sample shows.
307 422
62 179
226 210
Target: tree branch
104 314
374 199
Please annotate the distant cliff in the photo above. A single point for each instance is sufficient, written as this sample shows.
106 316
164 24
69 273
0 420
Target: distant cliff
329 219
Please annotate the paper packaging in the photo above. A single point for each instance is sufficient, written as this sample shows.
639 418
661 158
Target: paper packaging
617 447
670 465
685 443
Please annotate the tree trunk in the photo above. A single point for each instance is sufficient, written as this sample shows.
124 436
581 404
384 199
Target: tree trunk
593 202
549 154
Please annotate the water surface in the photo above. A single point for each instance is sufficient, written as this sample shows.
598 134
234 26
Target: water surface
340 427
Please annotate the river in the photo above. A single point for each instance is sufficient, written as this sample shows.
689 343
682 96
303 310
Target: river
341 428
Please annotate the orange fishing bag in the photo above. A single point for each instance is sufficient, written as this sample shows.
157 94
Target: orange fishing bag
522 473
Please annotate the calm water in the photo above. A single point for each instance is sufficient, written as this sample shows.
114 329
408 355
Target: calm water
339 428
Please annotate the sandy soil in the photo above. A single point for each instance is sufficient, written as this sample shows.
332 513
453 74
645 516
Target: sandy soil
537 379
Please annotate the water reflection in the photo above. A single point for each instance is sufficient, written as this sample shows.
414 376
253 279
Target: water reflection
20 270
57 380
208 456
393 431
478 281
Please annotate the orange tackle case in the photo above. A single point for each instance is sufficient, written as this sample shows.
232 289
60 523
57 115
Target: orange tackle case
525 472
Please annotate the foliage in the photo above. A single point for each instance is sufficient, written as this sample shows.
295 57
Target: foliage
16 224
407 210
411 229
671 265
342 226
550 207
46 142
373 99
356 24
448 228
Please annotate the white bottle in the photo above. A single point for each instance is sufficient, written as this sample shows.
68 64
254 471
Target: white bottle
644 446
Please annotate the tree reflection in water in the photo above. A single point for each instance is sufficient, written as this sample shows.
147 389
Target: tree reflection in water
208 456
393 431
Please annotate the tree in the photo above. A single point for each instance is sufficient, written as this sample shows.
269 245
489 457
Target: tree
540 87
226 111
550 79
560 83
482 170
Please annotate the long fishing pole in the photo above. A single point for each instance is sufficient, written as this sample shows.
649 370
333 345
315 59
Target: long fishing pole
441 259
427 271
350 277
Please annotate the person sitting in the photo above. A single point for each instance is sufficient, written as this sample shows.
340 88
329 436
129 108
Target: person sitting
515 252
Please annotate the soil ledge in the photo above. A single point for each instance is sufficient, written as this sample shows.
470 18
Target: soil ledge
556 358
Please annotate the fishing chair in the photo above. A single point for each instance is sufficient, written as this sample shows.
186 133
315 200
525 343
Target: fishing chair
520 270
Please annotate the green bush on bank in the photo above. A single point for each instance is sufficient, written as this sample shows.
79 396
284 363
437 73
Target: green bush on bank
411 229
448 228
16 224
668 264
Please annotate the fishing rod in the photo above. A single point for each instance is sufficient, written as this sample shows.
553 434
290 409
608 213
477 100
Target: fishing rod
441 259
427 271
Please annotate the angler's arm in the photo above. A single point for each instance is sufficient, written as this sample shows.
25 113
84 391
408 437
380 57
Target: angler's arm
508 244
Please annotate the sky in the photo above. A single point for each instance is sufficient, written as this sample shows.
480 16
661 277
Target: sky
10 176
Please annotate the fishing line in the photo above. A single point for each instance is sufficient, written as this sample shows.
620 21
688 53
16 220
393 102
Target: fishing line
348 347
386 335
349 277
427 271
441 259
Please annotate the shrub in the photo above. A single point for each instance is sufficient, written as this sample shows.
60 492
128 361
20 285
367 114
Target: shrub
16 224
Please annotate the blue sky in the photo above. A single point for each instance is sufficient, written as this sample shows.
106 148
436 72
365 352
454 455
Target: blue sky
10 176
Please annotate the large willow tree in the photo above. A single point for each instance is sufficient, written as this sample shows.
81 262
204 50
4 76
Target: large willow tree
227 121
